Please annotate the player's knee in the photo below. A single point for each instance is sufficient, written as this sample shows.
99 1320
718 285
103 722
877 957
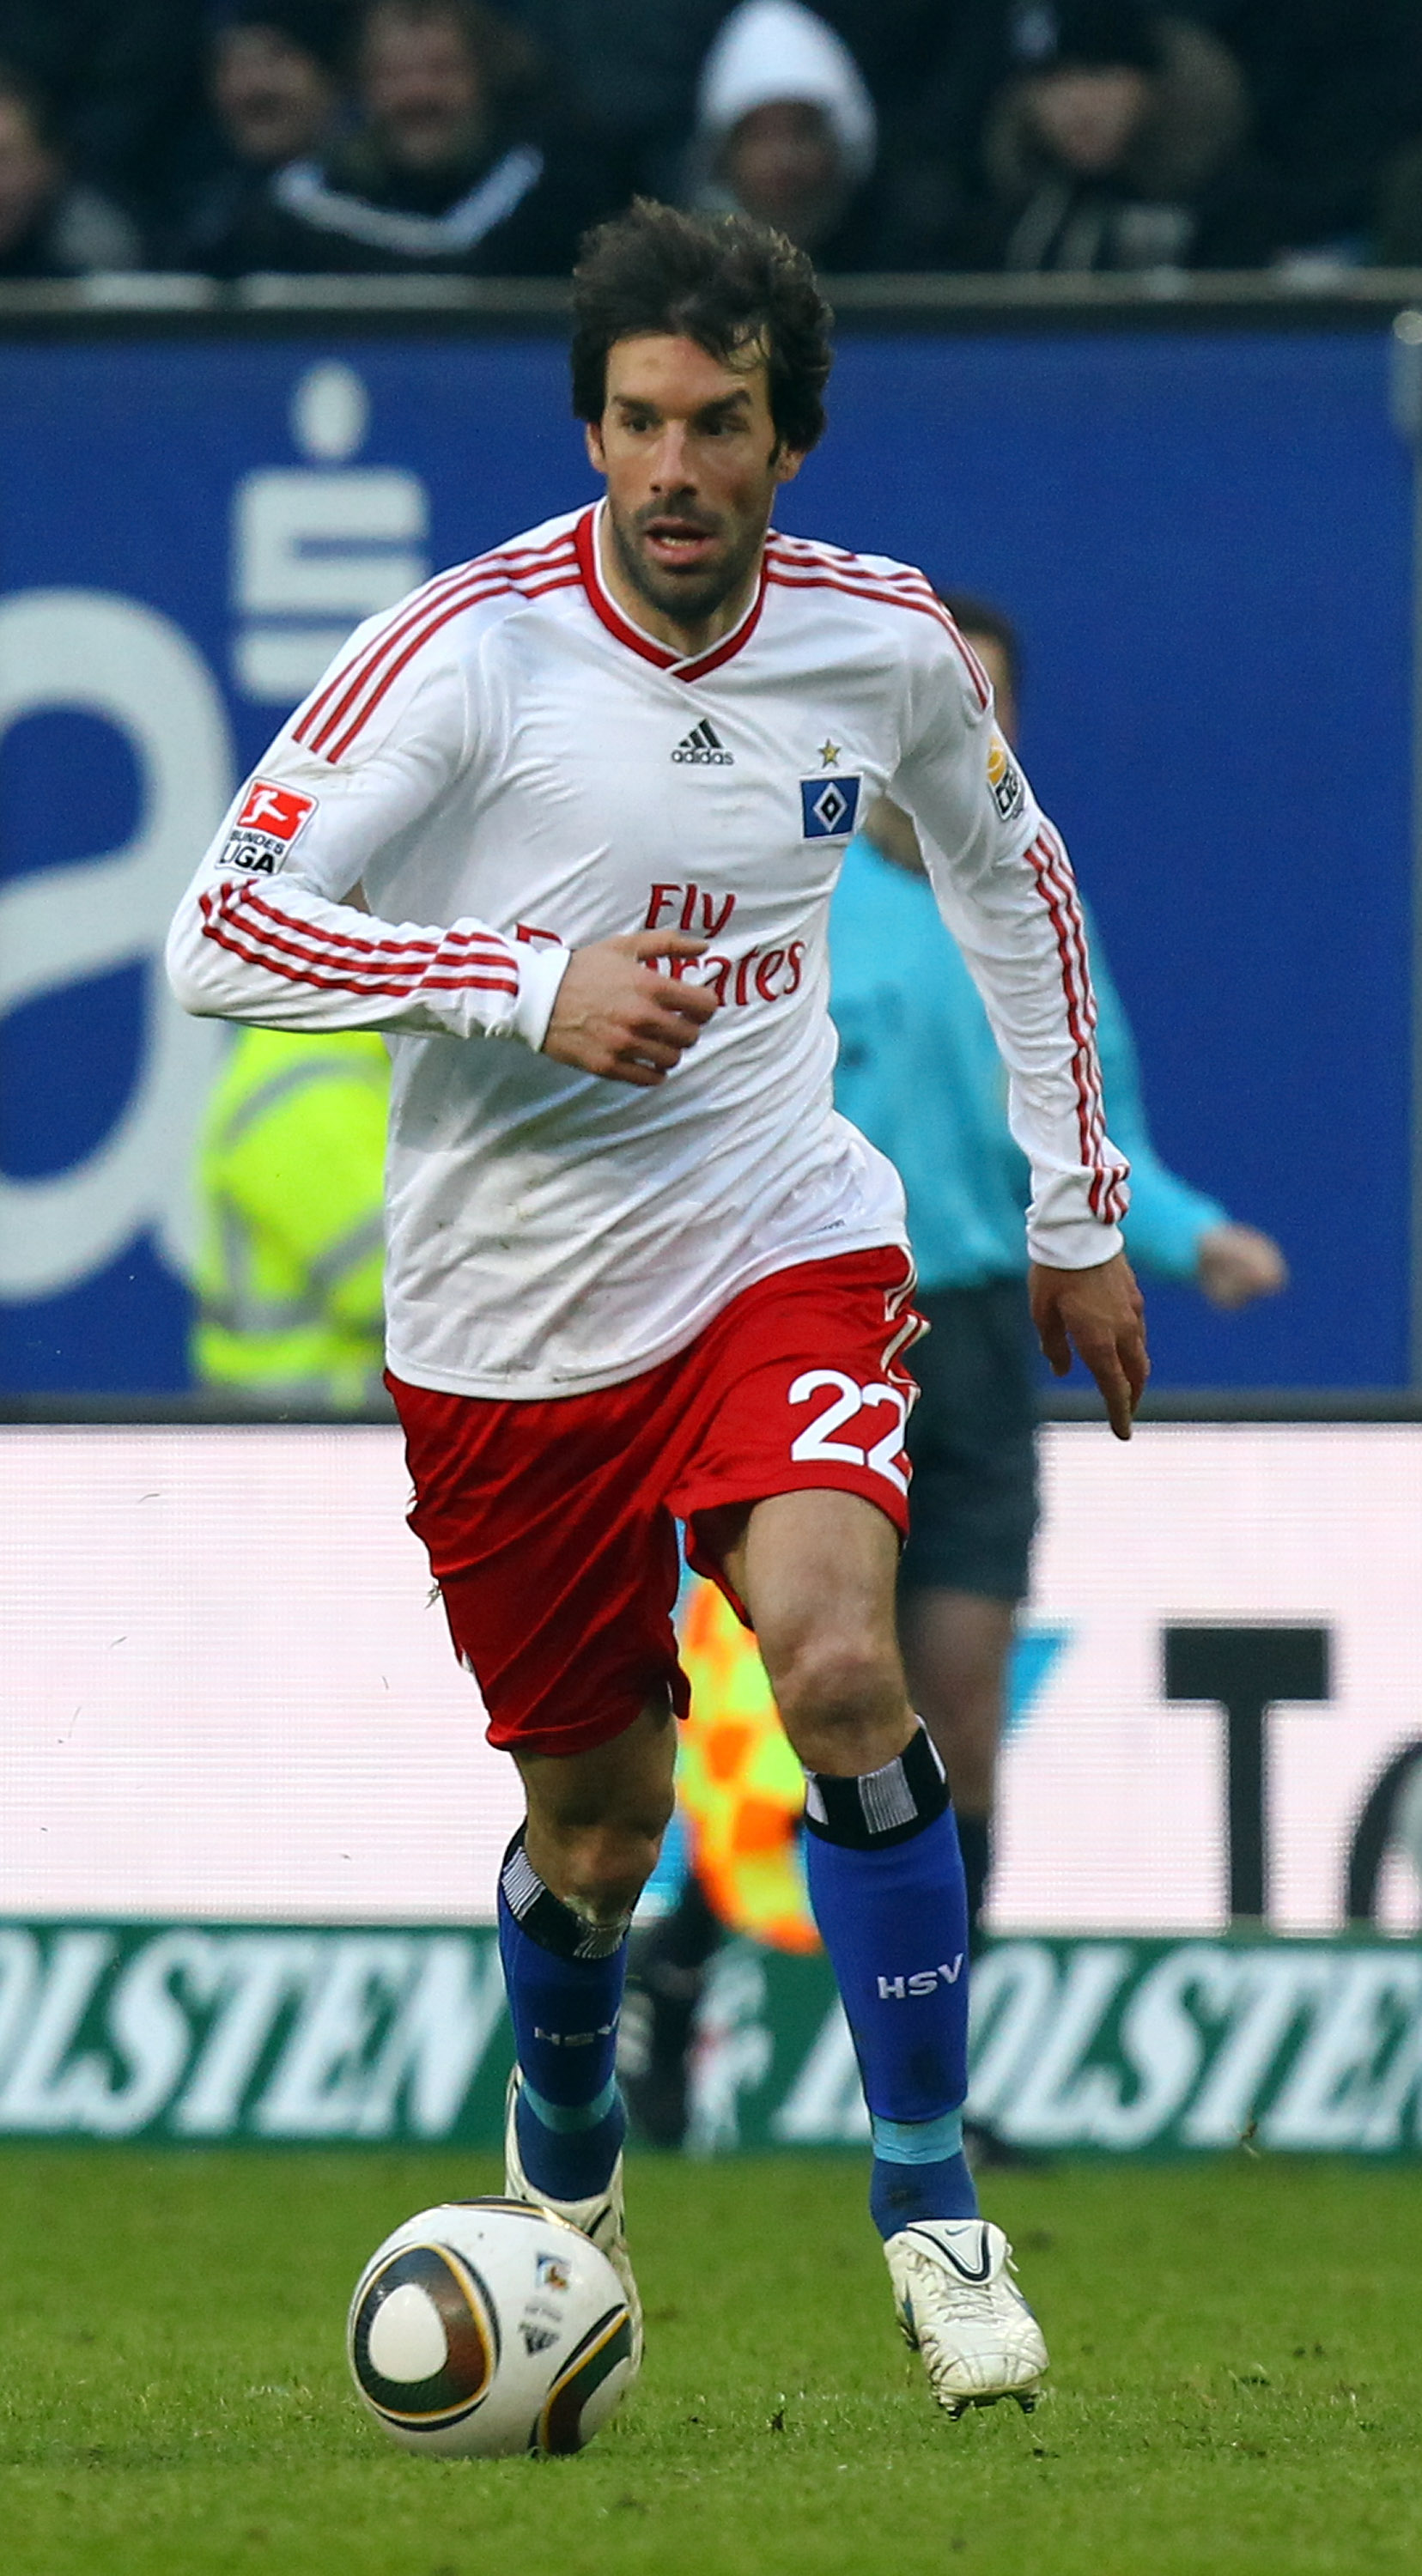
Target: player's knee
602 1869
842 1701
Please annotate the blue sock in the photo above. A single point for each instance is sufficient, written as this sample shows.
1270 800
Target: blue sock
886 1884
564 1978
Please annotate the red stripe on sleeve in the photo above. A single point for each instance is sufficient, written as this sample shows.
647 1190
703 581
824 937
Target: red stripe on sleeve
486 944
796 578
291 949
491 567
416 644
1047 859
798 565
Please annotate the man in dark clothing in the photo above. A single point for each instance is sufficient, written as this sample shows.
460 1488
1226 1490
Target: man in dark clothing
275 91
1111 132
455 163
1329 90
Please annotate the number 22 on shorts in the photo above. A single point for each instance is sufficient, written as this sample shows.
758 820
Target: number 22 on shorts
816 1441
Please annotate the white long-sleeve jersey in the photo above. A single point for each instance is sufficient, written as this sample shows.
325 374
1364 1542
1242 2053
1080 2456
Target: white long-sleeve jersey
511 770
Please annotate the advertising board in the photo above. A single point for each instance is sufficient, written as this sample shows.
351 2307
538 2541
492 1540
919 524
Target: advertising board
228 1695
249 1828
195 2033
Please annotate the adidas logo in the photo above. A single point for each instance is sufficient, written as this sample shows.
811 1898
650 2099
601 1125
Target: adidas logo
702 749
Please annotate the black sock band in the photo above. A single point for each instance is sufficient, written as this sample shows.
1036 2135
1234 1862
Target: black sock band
544 1916
879 1808
975 1844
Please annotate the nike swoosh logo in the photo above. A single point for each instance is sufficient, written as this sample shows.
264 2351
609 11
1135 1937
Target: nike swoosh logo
964 2270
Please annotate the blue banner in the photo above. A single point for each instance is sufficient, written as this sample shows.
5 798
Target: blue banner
1205 539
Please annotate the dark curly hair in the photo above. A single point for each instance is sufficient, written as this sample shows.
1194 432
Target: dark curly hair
720 280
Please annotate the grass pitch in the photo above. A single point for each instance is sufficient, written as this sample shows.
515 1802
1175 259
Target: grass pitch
1236 2349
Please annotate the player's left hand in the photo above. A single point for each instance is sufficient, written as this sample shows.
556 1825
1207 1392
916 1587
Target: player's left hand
1100 1314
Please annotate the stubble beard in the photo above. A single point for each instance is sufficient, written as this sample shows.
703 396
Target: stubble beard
687 599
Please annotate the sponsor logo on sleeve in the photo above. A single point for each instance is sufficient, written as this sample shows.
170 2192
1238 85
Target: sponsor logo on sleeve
1005 779
829 807
269 820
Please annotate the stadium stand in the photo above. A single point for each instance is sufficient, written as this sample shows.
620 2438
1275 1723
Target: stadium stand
1018 134
456 158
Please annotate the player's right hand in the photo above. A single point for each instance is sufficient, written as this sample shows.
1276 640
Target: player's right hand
615 1016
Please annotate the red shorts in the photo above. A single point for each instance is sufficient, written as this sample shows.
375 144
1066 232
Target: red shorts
551 1526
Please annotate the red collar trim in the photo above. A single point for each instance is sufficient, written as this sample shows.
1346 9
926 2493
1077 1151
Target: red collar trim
605 607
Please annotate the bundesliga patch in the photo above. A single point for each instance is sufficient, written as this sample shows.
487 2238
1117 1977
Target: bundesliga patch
268 823
1005 779
828 806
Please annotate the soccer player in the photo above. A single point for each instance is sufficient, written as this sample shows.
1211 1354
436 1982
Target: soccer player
597 786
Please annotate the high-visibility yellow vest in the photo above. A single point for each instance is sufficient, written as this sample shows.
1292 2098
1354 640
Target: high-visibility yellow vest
289 1277
741 1789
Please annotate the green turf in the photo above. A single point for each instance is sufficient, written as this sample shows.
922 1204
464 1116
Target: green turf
1236 2348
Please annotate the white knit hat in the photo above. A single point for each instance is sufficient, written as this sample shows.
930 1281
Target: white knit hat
770 50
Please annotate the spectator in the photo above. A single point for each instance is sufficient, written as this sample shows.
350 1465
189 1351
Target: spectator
1107 145
123 81
51 225
453 163
786 130
632 67
275 96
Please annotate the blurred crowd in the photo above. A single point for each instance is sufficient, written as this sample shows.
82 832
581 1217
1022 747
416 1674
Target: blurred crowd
1009 135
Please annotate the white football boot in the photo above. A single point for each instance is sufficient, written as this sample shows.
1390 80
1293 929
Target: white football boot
961 2309
602 2218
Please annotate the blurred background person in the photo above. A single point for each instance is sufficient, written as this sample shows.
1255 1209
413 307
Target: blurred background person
457 159
51 224
1317 95
275 94
920 1075
632 68
786 132
122 84
1112 142
288 1285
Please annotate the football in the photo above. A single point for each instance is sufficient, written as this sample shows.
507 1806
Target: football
482 2328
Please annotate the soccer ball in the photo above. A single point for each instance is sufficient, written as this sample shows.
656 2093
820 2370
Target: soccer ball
486 2327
